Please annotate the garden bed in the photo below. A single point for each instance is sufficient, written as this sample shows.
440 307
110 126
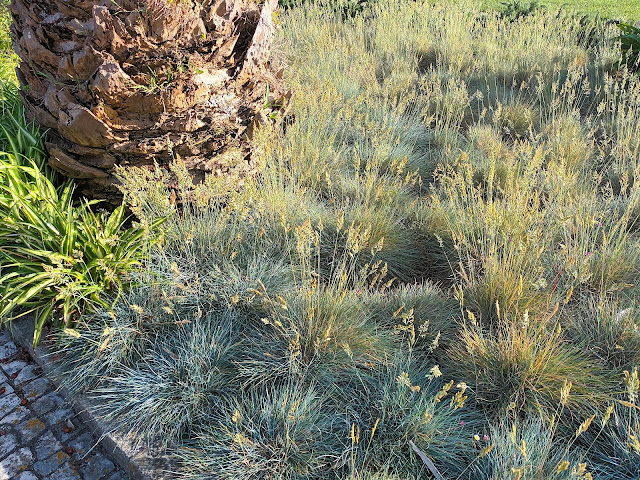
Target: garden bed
434 271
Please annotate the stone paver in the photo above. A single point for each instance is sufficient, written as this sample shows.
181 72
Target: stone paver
51 401
118 476
58 417
98 467
15 463
8 349
27 476
46 446
36 388
49 465
30 372
8 443
8 404
82 444
31 429
5 389
66 472
13 369
41 438
15 417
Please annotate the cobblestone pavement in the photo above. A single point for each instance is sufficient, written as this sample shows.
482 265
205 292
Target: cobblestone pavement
40 436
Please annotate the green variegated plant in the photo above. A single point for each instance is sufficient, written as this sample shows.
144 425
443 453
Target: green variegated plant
57 256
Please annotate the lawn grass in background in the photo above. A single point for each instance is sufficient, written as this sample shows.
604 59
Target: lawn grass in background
628 10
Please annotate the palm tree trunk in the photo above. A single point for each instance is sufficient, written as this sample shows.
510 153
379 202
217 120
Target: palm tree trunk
135 82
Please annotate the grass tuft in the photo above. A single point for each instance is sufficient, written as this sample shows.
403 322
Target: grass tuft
437 259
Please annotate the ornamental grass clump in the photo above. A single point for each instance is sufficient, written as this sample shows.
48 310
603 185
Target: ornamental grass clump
411 409
421 310
530 449
432 272
614 445
595 249
283 432
522 364
608 329
180 379
495 251
515 120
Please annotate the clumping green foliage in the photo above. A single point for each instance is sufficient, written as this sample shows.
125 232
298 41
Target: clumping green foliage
56 257
516 9
436 259
630 45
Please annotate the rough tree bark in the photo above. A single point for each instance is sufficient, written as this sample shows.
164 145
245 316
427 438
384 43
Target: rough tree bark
133 82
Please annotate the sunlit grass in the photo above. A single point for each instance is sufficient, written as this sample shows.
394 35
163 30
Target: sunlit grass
628 10
440 244
8 59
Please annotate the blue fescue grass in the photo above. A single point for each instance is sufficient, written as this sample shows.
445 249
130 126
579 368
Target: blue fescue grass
441 246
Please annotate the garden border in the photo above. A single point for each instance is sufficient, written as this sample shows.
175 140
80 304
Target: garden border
138 462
